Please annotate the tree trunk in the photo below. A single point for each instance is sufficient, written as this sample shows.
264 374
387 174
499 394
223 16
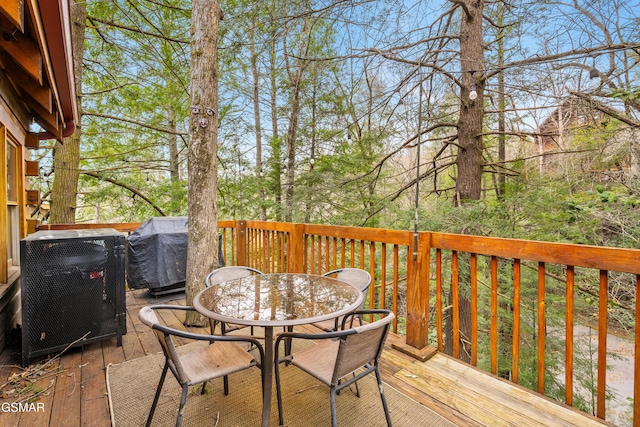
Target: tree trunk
469 160
276 144
314 137
502 105
470 150
202 255
292 135
256 115
66 157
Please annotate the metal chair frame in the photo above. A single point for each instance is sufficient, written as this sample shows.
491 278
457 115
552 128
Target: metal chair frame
349 350
363 286
174 362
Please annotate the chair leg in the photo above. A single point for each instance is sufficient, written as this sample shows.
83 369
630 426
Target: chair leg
204 388
276 370
383 398
225 381
157 396
288 342
183 400
357 388
357 393
334 412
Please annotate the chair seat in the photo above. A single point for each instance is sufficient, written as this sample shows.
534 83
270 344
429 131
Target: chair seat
204 364
318 360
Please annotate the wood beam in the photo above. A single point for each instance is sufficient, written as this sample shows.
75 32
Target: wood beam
31 168
10 102
32 141
13 10
40 93
48 121
32 225
24 51
33 197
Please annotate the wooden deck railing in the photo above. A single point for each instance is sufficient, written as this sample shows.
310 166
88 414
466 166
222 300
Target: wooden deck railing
506 306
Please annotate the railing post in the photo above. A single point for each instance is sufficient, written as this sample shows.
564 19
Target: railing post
295 249
241 243
418 299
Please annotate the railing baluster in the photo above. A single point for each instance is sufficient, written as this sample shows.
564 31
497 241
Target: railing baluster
284 244
602 342
455 296
352 261
308 260
473 266
439 324
334 255
515 354
541 325
383 275
312 258
636 364
569 323
493 336
234 250
319 263
372 272
326 253
396 267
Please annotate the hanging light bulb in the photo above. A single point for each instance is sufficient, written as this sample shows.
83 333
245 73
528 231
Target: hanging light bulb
472 92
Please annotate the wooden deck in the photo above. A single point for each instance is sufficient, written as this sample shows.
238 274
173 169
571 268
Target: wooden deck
74 391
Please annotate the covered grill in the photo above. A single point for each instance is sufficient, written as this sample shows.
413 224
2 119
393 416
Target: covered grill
157 255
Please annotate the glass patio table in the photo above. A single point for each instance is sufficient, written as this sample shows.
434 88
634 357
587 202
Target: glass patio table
276 300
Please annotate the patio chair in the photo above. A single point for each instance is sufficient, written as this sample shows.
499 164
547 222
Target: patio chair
354 351
222 357
358 277
223 274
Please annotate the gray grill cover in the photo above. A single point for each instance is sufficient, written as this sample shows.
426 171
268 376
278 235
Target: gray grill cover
157 253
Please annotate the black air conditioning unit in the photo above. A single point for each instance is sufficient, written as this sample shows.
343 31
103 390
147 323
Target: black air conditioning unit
72 289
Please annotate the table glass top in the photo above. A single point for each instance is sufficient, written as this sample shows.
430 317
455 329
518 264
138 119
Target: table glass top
278 298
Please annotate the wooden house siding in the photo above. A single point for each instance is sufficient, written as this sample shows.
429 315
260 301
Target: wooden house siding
36 86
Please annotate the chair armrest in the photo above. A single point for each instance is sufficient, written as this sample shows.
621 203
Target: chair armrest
299 335
202 337
349 317
318 336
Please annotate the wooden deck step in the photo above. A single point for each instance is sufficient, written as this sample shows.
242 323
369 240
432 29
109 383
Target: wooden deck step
487 399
